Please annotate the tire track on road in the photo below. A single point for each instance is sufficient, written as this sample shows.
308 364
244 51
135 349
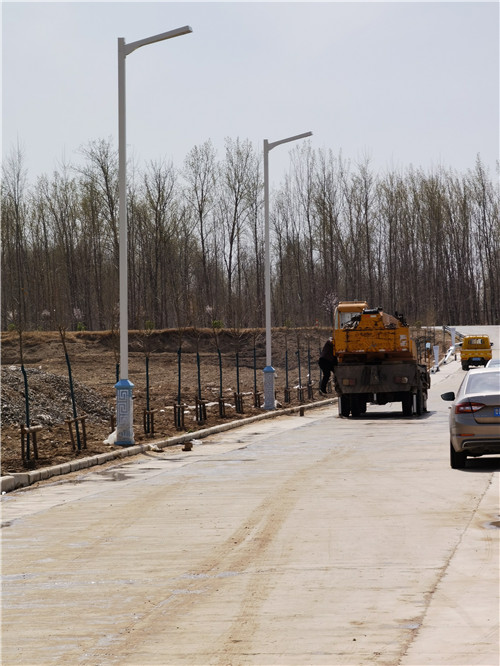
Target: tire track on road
233 562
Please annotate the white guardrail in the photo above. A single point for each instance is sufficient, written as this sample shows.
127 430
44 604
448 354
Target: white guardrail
452 351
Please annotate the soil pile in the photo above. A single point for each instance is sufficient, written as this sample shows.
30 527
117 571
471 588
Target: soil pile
49 398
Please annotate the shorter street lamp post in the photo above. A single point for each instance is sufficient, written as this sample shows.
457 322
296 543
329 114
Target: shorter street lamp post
124 410
269 372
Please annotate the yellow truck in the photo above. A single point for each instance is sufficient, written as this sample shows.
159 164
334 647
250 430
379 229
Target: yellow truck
476 350
375 361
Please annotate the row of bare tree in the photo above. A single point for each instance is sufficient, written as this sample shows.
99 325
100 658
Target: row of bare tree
419 243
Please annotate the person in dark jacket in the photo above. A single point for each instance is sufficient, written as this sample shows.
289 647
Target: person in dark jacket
326 362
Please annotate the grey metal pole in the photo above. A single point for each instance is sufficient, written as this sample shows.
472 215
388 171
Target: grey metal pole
269 372
124 403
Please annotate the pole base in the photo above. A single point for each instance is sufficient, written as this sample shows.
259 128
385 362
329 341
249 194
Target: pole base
124 413
269 392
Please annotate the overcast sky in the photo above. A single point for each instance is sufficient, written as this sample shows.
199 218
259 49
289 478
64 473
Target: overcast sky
403 83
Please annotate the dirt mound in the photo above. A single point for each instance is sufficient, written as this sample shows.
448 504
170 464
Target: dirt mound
49 398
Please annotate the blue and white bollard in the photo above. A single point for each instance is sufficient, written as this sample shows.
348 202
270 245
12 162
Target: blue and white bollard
124 413
269 394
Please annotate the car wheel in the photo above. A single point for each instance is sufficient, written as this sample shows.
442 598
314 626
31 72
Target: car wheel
407 403
457 458
345 405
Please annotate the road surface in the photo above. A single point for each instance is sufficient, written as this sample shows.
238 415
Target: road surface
299 540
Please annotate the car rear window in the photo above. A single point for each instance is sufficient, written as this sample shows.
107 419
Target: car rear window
484 382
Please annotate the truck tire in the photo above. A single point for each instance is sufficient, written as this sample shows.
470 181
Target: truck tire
465 366
457 458
355 405
407 403
345 405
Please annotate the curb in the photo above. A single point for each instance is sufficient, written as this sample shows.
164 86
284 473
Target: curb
17 480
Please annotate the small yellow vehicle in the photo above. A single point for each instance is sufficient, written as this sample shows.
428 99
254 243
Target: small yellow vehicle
476 350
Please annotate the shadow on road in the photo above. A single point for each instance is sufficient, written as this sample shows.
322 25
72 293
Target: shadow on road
395 415
484 465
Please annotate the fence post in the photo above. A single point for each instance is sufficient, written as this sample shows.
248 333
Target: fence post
199 374
179 416
147 411
298 361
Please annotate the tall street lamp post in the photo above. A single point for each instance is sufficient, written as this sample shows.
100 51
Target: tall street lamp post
124 411
269 393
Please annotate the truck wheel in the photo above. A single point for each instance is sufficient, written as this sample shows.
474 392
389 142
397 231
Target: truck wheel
407 403
345 405
355 405
457 458
464 366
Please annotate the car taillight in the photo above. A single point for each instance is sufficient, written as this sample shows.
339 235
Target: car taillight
468 407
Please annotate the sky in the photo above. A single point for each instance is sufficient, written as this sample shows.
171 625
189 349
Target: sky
398 83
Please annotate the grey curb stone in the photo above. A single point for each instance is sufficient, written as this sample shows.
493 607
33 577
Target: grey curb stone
35 476
102 458
54 470
22 479
7 483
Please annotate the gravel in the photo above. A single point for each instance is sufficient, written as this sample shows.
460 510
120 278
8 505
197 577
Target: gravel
49 398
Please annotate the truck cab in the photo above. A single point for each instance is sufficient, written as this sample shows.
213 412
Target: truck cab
345 311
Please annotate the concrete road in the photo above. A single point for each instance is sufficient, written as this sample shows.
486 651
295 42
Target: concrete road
301 540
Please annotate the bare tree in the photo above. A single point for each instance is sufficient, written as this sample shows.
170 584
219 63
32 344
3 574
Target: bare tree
200 172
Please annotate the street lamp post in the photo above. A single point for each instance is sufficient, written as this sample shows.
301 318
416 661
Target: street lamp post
269 393
124 411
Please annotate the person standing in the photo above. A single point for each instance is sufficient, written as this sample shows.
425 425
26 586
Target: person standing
326 362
